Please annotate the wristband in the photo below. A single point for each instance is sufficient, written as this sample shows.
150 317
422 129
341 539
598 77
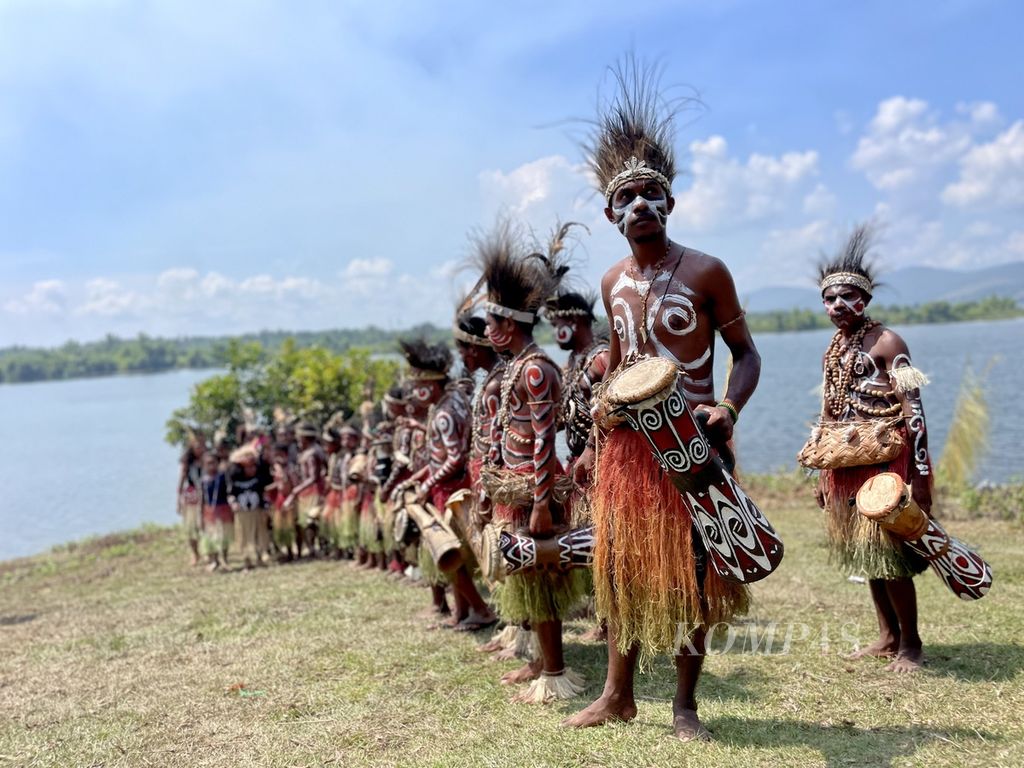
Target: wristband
731 409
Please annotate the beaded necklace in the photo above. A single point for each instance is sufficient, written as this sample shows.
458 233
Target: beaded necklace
840 386
644 331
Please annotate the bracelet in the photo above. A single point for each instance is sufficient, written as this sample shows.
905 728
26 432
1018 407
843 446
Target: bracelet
731 409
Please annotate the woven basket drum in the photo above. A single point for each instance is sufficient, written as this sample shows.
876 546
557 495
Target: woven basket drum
886 499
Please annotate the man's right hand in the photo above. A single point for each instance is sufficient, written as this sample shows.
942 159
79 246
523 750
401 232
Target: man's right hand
583 468
819 495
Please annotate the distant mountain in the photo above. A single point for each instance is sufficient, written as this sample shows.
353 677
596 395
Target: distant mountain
908 287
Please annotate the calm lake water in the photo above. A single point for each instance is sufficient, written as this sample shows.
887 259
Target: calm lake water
88 457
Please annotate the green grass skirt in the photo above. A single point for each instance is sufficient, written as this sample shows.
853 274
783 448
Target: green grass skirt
538 597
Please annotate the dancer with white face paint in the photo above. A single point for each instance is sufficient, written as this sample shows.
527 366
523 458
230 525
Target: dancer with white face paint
868 377
668 301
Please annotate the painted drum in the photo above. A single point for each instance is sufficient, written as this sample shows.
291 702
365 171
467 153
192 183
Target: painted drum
742 545
574 549
887 499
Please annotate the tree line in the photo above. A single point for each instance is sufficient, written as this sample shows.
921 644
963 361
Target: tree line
262 386
145 354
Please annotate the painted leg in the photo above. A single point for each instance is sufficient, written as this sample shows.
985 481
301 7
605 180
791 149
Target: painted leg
616 702
888 641
903 597
685 724
193 545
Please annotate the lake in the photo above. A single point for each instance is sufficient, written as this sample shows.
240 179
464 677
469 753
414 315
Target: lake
87 456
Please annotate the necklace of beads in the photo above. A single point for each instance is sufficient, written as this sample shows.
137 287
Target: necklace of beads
840 385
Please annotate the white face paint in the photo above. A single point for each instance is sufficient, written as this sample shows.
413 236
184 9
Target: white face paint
652 200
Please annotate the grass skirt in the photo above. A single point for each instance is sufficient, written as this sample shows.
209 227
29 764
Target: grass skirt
192 520
428 568
539 596
329 518
858 546
369 526
647 581
218 530
310 508
284 526
247 525
386 515
348 521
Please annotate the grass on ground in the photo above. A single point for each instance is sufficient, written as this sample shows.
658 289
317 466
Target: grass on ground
115 653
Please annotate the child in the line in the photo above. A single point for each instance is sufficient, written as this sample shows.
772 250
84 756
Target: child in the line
218 519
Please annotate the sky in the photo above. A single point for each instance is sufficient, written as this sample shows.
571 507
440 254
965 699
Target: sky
197 168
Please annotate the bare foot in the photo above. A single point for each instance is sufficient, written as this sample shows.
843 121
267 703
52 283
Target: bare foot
597 634
882 648
687 726
607 709
475 621
529 671
907 660
492 645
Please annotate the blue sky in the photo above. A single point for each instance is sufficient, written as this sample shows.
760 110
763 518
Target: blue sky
186 167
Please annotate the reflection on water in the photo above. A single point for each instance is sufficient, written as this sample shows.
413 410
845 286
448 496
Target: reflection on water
85 457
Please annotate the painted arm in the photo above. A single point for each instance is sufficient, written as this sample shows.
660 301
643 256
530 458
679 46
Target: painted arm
906 384
542 397
450 430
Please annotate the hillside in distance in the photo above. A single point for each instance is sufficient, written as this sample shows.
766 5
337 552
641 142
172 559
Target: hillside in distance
906 287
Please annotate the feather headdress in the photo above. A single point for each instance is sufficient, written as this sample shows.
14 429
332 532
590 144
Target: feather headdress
426 361
853 264
634 132
516 284
564 301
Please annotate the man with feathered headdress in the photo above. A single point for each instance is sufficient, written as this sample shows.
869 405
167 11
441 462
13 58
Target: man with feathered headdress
522 482
662 300
571 315
868 376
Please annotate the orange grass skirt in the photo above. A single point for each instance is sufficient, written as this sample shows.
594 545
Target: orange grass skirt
646 570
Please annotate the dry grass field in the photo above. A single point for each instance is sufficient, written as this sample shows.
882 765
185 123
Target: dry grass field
114 653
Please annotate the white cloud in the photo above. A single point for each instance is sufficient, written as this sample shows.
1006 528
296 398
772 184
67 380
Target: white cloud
992 173
536 184
376 267
905 143
108 298
725 192
47 297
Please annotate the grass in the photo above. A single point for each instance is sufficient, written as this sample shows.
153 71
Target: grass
115 653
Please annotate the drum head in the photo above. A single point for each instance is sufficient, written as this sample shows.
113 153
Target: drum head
642 381
881 494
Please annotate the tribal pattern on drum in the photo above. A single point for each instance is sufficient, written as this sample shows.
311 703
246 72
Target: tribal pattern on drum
741 543
574 549
966 574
